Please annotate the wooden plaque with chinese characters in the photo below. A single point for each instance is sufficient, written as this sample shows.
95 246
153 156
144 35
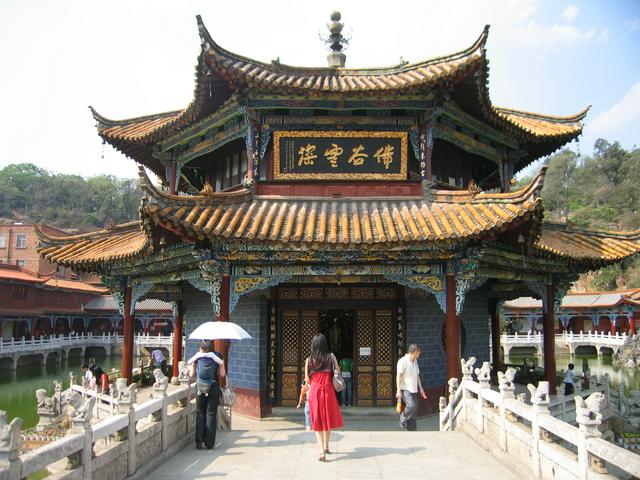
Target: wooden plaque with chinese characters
342 155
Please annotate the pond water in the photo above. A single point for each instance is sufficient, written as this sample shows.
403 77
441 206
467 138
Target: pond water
17 388
628 377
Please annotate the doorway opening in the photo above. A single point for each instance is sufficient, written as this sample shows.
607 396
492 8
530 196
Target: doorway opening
337 327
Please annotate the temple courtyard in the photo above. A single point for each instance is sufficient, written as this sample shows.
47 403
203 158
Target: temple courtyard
367 448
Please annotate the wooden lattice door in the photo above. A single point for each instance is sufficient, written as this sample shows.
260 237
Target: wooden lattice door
374 357
296 329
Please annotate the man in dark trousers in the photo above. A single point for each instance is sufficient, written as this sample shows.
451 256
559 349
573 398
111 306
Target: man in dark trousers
207 367
408 385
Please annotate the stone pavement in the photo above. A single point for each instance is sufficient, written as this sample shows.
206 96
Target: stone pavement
372 448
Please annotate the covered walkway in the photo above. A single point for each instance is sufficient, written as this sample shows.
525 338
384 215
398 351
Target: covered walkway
371 449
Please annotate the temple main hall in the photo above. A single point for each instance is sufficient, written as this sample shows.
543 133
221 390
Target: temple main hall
373 205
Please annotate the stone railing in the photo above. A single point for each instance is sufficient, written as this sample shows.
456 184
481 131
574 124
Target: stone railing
81 340
135 440
598 340
526 437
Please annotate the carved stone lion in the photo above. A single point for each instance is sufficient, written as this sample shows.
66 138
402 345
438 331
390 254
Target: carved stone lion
484 373
453 386
10 439
467 366
505 380
183 372
120 388
44 403
539 394
161 383
85 412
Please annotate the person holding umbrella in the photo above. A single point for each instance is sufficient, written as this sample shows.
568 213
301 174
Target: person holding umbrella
208 368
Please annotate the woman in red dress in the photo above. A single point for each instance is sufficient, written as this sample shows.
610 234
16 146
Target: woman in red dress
323 404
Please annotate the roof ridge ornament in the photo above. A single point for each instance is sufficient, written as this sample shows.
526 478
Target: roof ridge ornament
337 42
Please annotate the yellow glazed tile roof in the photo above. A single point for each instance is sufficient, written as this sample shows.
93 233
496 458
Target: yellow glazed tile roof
599 246
446 217
275 76
543 125
245 73
120 242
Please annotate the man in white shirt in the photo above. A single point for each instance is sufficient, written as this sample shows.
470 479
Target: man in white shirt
568 380
408 385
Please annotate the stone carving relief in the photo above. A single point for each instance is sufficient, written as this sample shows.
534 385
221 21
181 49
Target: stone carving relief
161 383
539 394
484 374
467 367
505 383
183 373
10 439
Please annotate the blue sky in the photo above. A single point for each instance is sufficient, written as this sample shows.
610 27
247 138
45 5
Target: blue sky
134 58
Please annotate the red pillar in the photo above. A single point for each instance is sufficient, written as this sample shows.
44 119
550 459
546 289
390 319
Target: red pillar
495 335
548 330
222 346
177 340
505 176
632 318
172 178
452 330
612 326
127 347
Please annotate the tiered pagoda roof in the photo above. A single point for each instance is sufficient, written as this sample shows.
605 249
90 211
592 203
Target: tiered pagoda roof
219 72
443 218
86 251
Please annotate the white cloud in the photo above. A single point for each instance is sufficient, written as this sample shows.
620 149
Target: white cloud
633 26
570 12
603 37
553 38
616 118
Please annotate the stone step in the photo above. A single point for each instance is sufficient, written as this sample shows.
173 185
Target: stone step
362 413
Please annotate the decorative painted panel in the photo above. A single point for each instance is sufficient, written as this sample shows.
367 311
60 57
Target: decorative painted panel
340 155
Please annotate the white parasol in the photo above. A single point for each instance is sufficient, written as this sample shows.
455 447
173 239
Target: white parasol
218 331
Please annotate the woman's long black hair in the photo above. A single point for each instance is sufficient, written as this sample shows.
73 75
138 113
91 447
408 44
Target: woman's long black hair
320 358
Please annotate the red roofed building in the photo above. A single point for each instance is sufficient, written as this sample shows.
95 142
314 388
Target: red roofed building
35 305
615 312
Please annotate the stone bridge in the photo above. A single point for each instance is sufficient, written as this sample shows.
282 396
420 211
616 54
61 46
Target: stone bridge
528 437
598 340
60 347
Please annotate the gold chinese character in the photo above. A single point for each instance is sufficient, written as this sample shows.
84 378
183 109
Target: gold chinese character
357 158
332 154
306 155
384 155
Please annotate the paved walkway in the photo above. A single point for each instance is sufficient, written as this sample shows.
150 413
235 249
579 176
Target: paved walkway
374 448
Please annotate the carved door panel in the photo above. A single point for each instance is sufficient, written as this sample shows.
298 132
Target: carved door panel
384 357
374 357
296 329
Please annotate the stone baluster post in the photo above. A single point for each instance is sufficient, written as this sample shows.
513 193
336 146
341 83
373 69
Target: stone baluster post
589 418
10 442
453 388
484 379
81 425
442 406
540 401
160 391
126 404
467 376
507 390
183 380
